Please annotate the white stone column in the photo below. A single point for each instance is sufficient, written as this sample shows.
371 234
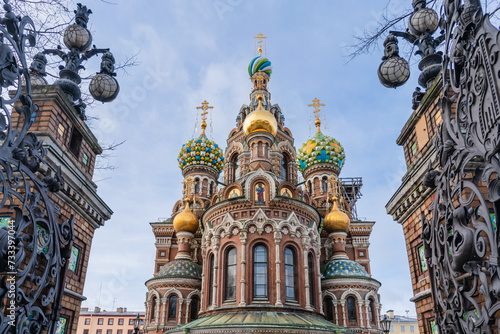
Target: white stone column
215 241
164 303
336 309
319 287
277 241
179 317
305 244
360 304
368 322
342 304
157 312
188 303
243 239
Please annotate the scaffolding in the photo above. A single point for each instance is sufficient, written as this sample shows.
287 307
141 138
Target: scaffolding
351 191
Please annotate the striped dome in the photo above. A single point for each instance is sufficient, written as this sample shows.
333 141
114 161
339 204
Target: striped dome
260 64
320 149
201 151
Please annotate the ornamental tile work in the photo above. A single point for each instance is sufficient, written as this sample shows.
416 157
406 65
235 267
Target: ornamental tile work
320 149
181 268
201 151
344 268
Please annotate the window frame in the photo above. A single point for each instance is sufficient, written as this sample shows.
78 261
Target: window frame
351 320
254 272
294 282
174 317
227 268
100 321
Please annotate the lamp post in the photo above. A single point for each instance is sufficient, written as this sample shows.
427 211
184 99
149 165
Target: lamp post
394 71
385 323
137 324
78 40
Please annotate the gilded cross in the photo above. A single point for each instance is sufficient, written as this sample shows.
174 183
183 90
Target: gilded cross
316 105
188 185
204 113
260 36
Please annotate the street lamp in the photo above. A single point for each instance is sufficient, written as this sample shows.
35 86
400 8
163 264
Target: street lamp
394 70
137 323
78 40
385 323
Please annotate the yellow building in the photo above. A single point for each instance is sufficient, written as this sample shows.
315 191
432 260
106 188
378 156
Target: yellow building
103 322
402 324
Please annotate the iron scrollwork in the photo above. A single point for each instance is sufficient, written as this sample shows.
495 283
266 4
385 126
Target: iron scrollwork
461 237
35 240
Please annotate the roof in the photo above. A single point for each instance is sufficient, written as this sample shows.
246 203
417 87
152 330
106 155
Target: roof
344 268
111 313
261 319
182 268
402 318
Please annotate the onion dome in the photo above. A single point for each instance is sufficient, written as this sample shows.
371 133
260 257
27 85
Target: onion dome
260 64
344 268
201 151
180 268
320 149
336 220
260 120
186 221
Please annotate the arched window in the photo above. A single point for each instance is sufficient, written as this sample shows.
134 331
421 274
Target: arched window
329 308
153 309
351 310
212 185
370 311
231 274
172 308
236 168
260 271
211 280
194 308
196 186
284 169
310 265
310 188
290 275
324 184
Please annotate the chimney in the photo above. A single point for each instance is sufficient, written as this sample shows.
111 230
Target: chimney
390 314
124 309
97 309
119 310
84 309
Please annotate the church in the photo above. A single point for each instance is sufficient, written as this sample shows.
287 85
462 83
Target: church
253 246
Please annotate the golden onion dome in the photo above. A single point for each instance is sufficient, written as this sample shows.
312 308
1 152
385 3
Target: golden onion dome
336 220
186 221
260 120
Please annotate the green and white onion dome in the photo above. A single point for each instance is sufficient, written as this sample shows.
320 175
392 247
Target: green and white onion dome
260 64
203 152
320 149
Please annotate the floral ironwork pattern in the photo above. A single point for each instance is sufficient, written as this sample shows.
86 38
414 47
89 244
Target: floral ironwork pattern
32 263
461 239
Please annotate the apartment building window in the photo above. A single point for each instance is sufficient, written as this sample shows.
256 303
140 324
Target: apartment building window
100 321
120 321
402 329
110 321
109 331
412 329
87 321
85 331
99 331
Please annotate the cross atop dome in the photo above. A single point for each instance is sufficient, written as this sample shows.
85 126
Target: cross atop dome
260 36
204 113
316 112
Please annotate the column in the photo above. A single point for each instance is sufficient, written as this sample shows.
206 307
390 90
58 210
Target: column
342 304
188 303
215 241
319 287
336 308
157 315
306 273
360 303
277 240
181 301
164 302
243 239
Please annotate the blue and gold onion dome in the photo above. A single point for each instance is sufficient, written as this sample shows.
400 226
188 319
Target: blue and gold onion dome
201 151
260 64
320 149
182 268
344 268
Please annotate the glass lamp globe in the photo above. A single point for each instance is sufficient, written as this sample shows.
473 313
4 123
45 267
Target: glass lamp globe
104 87
424 20
76 36
394 72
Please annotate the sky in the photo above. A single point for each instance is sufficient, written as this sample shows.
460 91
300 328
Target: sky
191 51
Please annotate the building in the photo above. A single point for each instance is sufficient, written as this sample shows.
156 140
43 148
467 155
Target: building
71 145
259 251
413 198
102 322
402 324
